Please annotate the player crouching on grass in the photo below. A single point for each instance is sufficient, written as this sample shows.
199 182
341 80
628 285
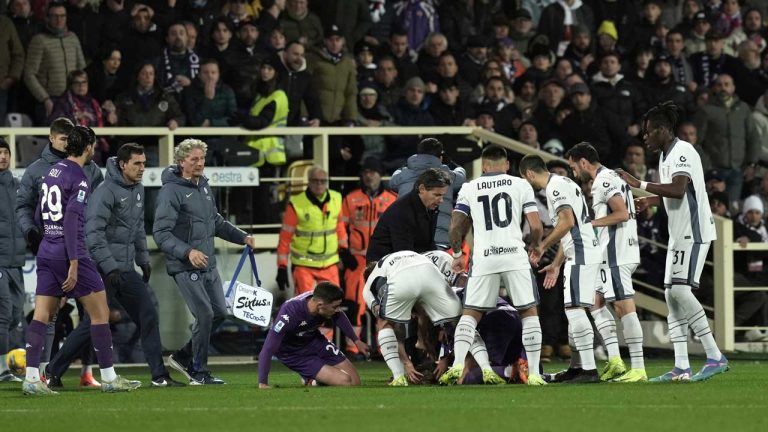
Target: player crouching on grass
299 345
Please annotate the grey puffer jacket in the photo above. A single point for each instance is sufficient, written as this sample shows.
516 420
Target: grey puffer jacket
29 189
403 179
186 218
13 247
114 226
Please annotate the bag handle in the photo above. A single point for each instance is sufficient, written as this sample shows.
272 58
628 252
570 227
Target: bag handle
246 252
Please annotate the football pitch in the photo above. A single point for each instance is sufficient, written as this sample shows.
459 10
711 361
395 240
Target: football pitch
735 401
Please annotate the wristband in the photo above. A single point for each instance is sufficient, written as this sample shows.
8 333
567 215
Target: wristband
644 185
457 254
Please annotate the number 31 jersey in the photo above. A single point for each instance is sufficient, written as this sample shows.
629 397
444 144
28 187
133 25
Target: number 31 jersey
580 243
619 242
61 211
496 203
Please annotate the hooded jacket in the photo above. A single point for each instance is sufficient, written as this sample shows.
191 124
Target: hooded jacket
29 189
298 86
13 247
186 218
114 226
403 179
336 85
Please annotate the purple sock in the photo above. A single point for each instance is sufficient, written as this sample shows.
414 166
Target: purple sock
474 376
101 337
35 342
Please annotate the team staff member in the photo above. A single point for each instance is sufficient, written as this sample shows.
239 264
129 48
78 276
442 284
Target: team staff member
409 223
116 240
12 251
361 211
311 235
186 222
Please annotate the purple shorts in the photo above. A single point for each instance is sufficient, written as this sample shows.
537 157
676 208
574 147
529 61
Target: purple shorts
309 359
51 275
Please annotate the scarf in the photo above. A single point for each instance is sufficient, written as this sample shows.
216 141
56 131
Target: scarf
334 58
194 68
678 68
709 72
78 105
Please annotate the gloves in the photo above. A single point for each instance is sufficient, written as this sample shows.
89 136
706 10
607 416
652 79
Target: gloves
349 260
146 271
115 279
34 238
282 278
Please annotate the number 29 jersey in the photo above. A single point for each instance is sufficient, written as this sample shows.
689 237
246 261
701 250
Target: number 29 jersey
61 212
496 203
580 243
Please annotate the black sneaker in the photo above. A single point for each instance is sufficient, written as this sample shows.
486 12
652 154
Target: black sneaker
8 376
584 377
54 381
205 378
563 375
166 381
181 362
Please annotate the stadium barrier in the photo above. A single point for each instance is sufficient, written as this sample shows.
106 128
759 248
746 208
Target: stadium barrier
247 176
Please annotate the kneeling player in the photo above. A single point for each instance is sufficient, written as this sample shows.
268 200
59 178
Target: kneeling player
393 286
297 342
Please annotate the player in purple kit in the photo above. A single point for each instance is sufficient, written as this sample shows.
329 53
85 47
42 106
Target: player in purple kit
297 342
64 267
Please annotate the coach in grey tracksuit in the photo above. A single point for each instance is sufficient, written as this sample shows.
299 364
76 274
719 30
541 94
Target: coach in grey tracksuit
12 251
186 222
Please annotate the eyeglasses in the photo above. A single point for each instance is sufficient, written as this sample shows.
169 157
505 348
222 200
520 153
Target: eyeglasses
318 181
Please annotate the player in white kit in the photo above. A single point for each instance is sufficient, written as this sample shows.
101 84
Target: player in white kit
393 286
582 254
691 230
494 205
614 208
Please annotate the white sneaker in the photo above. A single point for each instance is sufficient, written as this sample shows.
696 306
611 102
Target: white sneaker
754 335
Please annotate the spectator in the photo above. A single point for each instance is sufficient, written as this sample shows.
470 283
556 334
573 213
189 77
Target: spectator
449 109
105 76
645 29
607 41
690 9
26 24
559 19
386 79
729 134
244 64
729 20
178 65
681 67
115 21
541 63
84 20
549 112
562 69
364 59
208 101
434 46
403 54
586 123
220 45
635 163
687 131
579 51
410 110
505 114
311 235
509 59
269 17
447 69
522 29
419 18
526 94
752 29
300 24
270 109
145 39
146 104
237 11
352 16
372 113
296 81
621 101
51 56
429 156
78 105
276 41
661 86
622 12
335 79
200 13
11 62
501 28
192 34
637 66
472 59
535 7
712 62
695 42
755 80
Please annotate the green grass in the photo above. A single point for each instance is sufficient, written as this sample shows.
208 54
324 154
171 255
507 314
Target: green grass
736 401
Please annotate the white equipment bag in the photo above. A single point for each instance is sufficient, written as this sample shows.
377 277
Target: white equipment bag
248 303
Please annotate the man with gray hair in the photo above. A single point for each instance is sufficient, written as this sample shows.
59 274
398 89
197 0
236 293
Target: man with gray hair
186 222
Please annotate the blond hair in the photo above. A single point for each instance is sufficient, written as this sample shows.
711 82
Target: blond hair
185 147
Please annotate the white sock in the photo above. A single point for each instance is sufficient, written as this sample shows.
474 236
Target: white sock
87 369
678 331
480 352
575 357
532 343
606 325
697 321
583 337
33 374
633 336
388 347
3 364
463 338
108 374
43 366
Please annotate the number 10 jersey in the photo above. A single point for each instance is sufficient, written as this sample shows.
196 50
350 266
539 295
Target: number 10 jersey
496 203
